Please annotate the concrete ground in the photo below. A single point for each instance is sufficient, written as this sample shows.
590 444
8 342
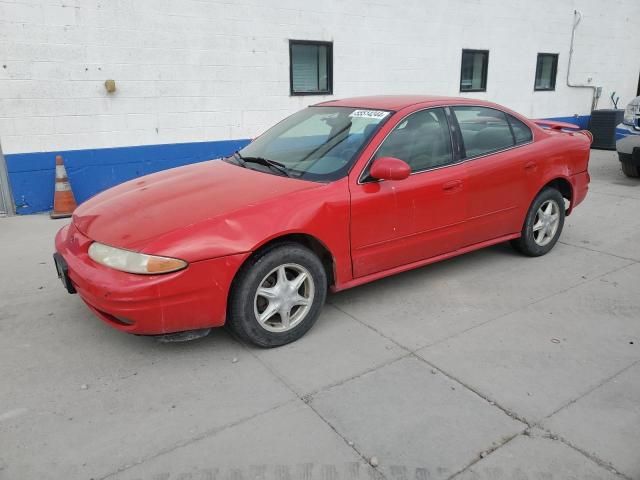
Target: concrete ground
487 366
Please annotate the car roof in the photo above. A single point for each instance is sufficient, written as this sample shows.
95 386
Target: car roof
398 102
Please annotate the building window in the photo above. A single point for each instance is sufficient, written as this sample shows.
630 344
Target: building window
546 70
310 67
473 74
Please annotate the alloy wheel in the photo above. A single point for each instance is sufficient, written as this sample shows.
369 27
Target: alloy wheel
284 297
546 222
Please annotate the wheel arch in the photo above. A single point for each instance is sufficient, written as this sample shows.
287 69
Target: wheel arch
563 185
311 242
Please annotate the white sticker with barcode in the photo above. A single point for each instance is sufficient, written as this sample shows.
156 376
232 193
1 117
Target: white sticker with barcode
379 114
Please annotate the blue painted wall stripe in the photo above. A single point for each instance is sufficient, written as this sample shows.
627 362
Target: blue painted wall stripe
581 120
91 171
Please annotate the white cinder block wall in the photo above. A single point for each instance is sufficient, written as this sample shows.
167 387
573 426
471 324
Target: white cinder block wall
196 70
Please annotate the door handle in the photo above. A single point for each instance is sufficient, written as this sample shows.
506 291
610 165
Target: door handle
452 186
531 166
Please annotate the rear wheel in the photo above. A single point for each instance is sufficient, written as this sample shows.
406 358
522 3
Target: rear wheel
630 170
278 295
543 224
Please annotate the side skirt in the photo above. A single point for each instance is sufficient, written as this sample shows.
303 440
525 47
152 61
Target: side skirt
421 263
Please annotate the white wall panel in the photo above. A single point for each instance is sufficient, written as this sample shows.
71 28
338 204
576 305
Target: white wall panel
196 70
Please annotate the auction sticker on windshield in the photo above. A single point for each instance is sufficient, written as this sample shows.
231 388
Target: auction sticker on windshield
379 114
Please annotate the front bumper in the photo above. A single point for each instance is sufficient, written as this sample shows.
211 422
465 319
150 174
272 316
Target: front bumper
189 299
623 130
629 150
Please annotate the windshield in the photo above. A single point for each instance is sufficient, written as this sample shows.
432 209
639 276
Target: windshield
317 143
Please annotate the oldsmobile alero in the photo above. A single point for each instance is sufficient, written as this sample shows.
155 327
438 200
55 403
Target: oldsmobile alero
334 196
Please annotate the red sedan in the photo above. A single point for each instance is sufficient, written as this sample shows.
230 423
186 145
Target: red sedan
334 196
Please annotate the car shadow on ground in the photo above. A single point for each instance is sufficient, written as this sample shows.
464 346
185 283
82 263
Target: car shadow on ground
456 266
223 338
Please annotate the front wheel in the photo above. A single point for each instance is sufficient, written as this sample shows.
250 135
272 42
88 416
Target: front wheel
278 295
543 224
630 170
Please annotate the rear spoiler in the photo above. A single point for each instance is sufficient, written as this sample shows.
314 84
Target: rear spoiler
553 125
563 127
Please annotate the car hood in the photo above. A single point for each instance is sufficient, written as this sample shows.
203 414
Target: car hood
141 211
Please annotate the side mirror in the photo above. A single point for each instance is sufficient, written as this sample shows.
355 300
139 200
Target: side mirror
390 168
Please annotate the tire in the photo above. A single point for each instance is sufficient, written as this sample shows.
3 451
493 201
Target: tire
539 235
630 170
264 295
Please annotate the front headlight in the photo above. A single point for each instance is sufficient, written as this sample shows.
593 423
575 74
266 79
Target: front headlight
133 262
629 114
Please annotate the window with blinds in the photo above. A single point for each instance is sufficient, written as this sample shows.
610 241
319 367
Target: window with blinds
473 71
310 67
546 70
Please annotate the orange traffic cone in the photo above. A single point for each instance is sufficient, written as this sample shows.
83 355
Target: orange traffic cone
64 203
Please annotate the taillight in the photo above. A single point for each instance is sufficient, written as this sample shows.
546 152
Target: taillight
588 134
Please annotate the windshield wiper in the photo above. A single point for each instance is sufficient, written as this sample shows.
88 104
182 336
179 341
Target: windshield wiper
239 159
280 167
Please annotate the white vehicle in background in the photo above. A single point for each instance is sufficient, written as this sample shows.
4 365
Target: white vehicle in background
628 146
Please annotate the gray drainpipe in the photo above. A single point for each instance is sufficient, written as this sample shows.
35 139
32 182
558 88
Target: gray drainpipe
577 17
6 199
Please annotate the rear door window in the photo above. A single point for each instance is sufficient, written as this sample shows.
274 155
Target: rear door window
484 130
521 132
